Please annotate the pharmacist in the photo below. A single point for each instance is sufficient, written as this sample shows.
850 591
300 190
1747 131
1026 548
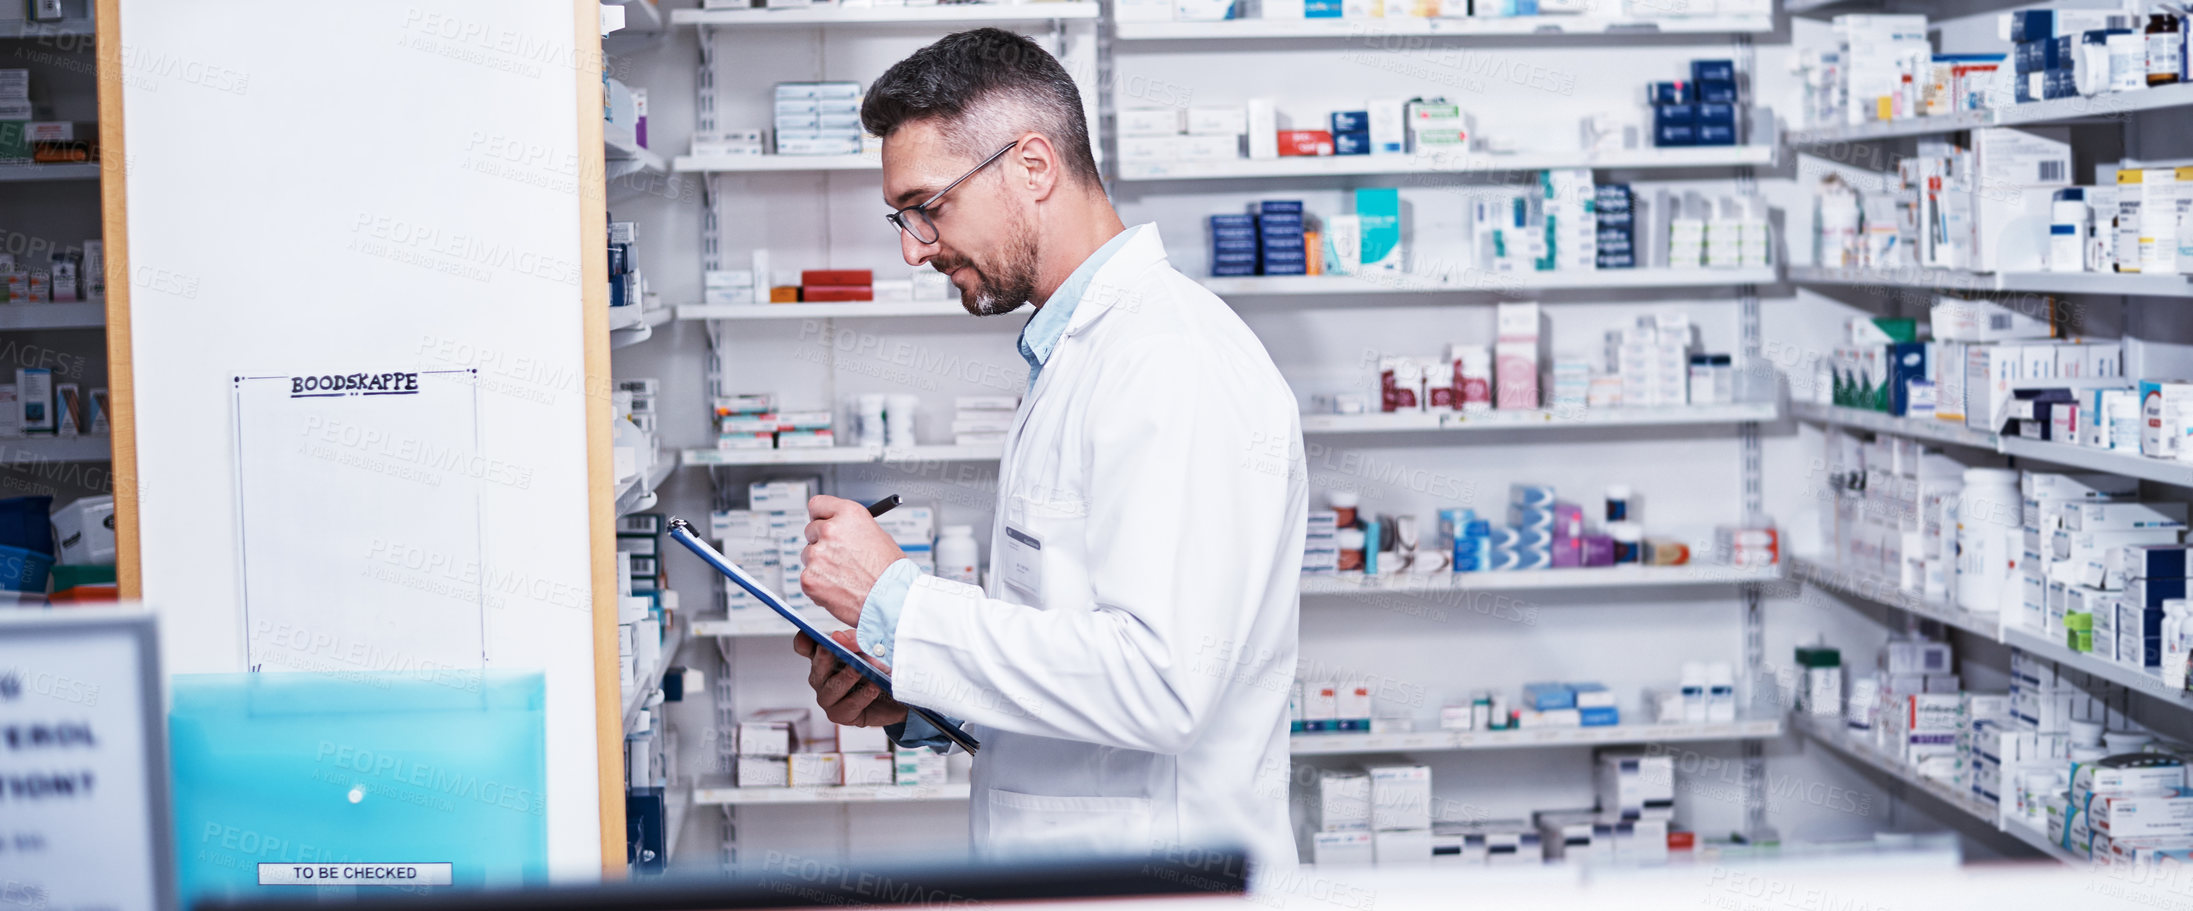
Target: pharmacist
1127 670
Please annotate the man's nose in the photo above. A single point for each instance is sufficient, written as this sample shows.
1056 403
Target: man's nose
914 251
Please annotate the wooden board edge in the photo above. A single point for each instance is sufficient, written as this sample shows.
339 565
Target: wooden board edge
601 481
114 233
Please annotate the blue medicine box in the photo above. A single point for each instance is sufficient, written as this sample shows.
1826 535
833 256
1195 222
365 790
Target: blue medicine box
1321 9
1717 92
1714 112
1670 93
1674 113
1546 697
1715 134
1713 71
1675 134
1605 716
1351 122
1356 143
1280 206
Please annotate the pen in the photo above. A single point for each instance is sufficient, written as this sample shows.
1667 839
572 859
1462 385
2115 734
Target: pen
882 506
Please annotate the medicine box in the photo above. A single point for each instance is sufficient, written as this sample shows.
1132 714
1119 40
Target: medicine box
869 768
1632 784
1401 797
1343 802
2122 516
761 772
816 770
852 739
84 530
1402 848
779 496
1344 849
2166 814
764 738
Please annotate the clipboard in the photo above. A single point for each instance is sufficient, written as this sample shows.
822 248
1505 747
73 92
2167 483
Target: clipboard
682 532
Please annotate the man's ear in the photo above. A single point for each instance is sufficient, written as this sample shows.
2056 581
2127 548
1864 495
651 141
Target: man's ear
1039 166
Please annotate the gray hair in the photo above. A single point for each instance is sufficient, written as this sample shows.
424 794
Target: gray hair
983 88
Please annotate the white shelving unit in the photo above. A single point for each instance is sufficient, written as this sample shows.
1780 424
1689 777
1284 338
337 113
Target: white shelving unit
1403 26
747 797
53 316
761 622
1969 808
651 677
1527 738
1579 578
1481 163
639 493
1536 419
2113 106
846 310
2105 283
2139 680
626 158
630 326
737 164
840 455
2069 455
1477 282
940 14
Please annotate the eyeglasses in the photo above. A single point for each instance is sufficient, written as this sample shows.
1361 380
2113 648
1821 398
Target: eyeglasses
914 219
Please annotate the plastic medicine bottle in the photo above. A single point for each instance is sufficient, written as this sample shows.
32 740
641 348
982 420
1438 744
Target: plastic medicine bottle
956 555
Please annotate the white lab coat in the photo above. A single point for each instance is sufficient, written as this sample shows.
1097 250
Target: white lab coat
1129 667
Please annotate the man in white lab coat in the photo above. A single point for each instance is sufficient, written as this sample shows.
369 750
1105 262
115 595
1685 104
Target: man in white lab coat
1128 668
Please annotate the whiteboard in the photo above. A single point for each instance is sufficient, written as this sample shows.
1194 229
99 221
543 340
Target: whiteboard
386 232
334 583
83 767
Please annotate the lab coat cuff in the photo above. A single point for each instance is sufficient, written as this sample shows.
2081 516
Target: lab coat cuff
923 673
917 733
879 615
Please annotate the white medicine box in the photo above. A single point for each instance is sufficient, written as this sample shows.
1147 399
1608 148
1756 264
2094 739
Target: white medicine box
85 531
869 768
1401 797
1346 849
816 770
862 740
1343 802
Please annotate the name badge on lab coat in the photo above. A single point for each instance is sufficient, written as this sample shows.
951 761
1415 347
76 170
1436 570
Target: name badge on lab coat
1023 562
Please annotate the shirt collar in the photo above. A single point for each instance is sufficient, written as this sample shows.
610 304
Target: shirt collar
1040 336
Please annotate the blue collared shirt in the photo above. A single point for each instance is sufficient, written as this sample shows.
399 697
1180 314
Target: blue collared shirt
879 615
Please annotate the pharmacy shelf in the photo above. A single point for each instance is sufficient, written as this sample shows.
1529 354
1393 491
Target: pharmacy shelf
846 310
841 455
1478 163
677 804
2139 680
1477 282
639 493
640 16
2111 106
88 448
53 316
1885 591
2134 465
733 164
1832 734
26 28
86 171
651 677
1930 429
627 158
2107 283
882 793
761 622
1399 26
1431 741
1594 577
630 326
1536 419
832 14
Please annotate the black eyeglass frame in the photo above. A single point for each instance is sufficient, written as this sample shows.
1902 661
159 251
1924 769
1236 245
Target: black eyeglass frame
920 210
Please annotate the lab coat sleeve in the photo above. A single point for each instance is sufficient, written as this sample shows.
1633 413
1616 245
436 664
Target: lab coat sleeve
1189 483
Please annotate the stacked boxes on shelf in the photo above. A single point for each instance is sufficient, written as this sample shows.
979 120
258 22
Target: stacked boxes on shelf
1281 247
1616 244
1701 112
641 599
1177 134
1233 245
626 288
983 420
818 118
1383 814
749 421
767 539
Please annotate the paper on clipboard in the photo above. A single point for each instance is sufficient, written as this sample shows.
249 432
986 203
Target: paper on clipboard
682 532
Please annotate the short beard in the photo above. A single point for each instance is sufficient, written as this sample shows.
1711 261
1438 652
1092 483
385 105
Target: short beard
1012 284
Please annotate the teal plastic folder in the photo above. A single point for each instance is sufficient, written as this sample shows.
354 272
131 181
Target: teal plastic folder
291 784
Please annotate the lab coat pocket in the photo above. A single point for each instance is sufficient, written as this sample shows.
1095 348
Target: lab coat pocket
1043 824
